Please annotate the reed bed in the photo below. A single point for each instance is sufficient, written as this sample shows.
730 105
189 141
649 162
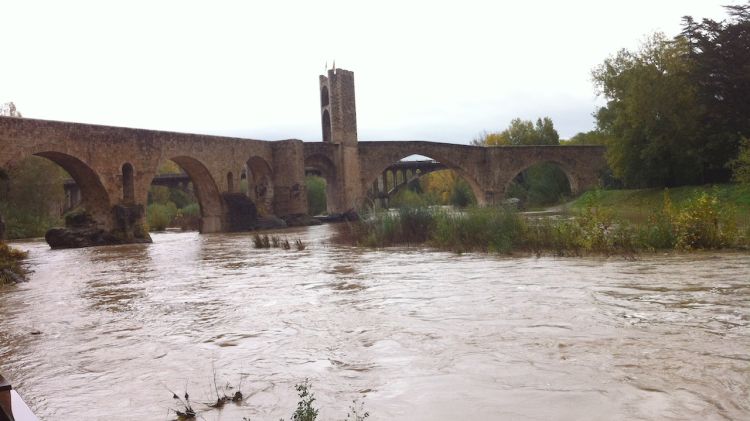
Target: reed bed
701 223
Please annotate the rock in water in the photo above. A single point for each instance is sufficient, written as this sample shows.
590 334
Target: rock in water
241 212
61 238
270 222
300 220
81 230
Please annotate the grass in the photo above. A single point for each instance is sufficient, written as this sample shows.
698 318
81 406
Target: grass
266 242
700 220
637 205
11 264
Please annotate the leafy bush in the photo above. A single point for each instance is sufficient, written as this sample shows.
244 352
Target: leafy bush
32 197
461 194
316 195
305 410
703 224
158 194
181 199
22 224
160 216
741 165
192 209
409 198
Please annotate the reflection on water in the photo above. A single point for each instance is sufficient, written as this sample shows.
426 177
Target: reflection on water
424 335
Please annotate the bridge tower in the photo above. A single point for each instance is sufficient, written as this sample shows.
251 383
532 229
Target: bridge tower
338 109
338 114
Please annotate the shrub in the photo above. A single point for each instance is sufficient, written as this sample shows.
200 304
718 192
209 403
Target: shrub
316 195
305 410
192 209
408 198
461 194
741 165
181 198
702 224
11 269
158 194
160 216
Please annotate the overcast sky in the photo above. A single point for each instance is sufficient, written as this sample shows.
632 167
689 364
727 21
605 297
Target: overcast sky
427 70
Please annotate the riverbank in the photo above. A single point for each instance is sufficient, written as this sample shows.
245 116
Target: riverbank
638 204
11 269
701 222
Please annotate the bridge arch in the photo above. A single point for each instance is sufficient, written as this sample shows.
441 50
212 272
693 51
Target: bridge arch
323 165
570 175
372 170
260 184
206 191
95 198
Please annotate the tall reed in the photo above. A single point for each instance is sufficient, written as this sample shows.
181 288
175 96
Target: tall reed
702 223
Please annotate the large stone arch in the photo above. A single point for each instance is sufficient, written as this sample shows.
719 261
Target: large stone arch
569 172
326 168
373 166
260 184
206 191
581 165
94 196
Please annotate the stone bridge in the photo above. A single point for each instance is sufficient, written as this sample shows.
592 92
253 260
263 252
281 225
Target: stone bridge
114 166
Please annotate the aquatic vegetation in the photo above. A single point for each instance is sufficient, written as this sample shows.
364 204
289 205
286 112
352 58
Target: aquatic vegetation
305 410
357 411
274 241
11 264
186 411
703 222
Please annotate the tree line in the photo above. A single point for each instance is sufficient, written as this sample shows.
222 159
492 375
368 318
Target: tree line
677 110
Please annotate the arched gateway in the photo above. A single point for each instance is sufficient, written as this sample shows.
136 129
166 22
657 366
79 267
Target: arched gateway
115 166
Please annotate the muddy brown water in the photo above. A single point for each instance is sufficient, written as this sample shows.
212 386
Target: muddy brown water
105 333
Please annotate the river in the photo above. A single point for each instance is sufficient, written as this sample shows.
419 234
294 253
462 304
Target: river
105 333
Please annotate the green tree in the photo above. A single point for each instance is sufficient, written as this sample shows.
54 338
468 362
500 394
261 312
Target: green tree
741 165
32 197
652 114
461 194
158 194
719 57
446 187
521 132
316 195
491 139
169 167
593 137
541 184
